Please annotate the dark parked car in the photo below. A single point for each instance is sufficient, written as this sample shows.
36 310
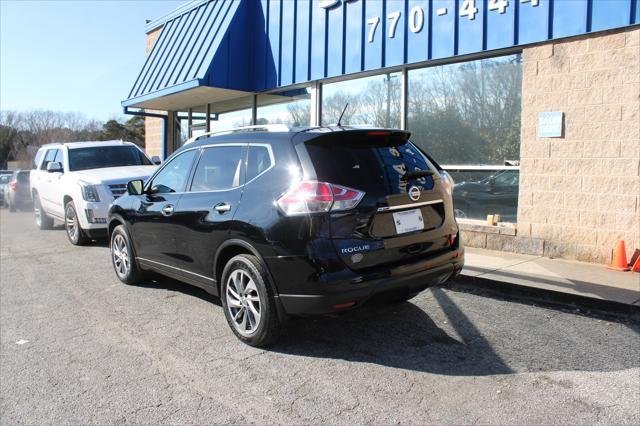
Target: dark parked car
309 221
497 193
16 194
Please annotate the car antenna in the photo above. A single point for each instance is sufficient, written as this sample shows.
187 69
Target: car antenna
343 111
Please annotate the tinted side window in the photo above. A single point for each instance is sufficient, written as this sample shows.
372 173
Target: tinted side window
258 161
219 168
507 178
48 158
173 176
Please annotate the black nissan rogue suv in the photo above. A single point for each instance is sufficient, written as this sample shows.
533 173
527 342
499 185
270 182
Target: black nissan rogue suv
309 221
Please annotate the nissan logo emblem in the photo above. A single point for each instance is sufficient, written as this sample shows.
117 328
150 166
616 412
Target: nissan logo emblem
414 193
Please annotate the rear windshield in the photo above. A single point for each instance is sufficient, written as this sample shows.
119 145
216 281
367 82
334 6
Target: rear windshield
107 156
370 167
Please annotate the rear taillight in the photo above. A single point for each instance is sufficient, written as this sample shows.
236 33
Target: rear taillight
13 185
311 196
447 181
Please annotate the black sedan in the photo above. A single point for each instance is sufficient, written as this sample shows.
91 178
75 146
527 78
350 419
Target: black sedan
496 194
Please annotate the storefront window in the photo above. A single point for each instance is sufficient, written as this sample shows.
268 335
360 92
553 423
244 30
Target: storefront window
180 129
469 114
230 114
374 101
292 108
230 120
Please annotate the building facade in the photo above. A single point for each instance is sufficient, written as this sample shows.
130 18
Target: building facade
532 105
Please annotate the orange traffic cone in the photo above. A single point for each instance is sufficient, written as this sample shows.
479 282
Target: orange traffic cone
619 262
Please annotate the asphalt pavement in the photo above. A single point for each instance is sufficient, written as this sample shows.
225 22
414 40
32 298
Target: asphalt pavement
77 346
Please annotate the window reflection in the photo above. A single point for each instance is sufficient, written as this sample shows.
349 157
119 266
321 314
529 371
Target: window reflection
291 107
374 101
467 113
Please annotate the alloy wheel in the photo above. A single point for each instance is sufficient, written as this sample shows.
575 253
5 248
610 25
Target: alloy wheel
120 253
243 302
71 223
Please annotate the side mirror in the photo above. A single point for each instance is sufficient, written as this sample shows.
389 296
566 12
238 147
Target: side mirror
135 187
156 160
55 167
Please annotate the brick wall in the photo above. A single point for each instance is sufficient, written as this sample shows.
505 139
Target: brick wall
153 126
580 194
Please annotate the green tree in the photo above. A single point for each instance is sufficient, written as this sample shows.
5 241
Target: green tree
131 131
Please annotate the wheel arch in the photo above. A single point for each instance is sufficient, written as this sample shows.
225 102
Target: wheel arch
234 247
114 221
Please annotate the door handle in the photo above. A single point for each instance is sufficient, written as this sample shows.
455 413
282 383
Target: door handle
167 210
222 208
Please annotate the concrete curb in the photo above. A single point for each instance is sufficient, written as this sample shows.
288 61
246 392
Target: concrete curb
619 312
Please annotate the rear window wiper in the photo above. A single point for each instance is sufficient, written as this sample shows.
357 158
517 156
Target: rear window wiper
418 174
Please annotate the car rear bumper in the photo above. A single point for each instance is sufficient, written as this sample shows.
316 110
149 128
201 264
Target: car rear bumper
354 292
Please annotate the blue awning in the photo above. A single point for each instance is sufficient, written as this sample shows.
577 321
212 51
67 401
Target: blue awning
217 50
183 54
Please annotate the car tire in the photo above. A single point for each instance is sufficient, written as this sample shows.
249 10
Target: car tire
75 233
42 220
123 258
248 301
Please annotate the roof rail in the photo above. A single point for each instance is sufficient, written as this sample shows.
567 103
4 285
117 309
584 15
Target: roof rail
243 129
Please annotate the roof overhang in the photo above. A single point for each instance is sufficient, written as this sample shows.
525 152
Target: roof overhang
183 96
189 63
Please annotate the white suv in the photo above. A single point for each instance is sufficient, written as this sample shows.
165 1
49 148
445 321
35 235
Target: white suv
76 183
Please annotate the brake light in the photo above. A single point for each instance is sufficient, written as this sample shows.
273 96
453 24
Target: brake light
317 197
13 185
447 182
378 133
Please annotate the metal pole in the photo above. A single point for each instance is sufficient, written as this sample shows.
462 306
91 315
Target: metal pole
404 99
254 110
208 129
316 104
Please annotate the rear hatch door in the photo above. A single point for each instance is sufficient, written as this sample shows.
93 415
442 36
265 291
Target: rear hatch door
402 213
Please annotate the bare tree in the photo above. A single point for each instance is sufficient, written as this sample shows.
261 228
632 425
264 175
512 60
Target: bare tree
22 133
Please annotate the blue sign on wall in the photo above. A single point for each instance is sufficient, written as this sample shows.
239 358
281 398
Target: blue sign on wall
550 124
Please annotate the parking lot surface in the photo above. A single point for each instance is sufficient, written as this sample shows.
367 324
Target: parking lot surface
77 346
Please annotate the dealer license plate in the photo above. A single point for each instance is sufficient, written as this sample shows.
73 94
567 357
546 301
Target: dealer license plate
408 221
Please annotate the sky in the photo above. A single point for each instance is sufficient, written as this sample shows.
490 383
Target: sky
73 56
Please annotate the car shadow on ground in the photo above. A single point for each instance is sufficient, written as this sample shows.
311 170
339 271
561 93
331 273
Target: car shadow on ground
404 336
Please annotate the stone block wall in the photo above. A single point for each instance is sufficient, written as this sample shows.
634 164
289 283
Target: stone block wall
152 125
580 193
